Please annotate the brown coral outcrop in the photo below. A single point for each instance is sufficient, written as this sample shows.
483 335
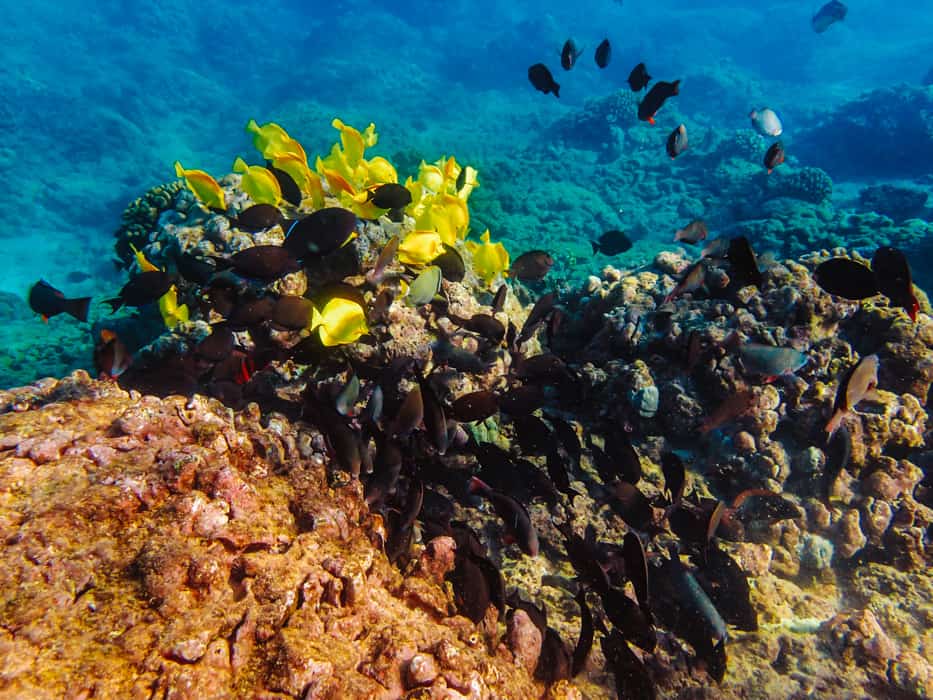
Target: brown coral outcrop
172 548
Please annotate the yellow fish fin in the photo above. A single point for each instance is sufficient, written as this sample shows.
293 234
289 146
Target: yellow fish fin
142 261
204 187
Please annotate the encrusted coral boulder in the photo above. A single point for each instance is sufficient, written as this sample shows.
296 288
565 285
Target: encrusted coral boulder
171 546
898 203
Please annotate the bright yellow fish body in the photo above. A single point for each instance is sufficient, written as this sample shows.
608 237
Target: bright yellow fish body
340 322
489 259
258 182
204 187
172 312
420 247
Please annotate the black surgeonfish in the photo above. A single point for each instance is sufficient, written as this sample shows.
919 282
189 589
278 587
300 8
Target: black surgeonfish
144 288
391 195
541 78
194 268
513 514
291 193
531 266
569 54
611 243
892 272
261 262
655 98
632 679
585 640
47 301
638 79
742 262
832 12
451 263
603 53
320 233
258 217
846 278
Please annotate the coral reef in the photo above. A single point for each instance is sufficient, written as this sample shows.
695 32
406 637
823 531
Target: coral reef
172 546
891 126
247 563
811 185
897 203
141 217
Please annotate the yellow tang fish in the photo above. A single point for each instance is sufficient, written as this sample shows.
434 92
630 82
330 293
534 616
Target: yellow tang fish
308 182
420 248
172 312
205 188
489 259
258 182
272 140
142 261
340 322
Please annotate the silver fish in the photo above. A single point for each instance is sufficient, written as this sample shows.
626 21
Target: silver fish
425 286
769 360
766 122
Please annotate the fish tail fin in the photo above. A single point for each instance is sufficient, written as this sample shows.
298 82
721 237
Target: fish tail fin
78 307
834 424
239 165
477 485
115 304
651 120
595 247
770 170
556 90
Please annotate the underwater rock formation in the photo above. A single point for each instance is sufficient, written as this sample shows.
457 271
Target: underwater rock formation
811 185
141 217
420 475
891 126
173 546
897 203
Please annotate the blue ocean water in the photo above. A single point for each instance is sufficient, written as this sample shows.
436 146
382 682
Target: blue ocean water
101 100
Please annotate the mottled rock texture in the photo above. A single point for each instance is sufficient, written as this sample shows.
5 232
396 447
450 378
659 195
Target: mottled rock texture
172 548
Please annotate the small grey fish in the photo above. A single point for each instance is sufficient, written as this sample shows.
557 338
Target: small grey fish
348 396
425 286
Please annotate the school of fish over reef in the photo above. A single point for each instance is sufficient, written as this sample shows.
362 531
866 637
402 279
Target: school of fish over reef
343 444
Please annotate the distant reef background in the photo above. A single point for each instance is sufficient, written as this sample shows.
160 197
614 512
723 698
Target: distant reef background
100 101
